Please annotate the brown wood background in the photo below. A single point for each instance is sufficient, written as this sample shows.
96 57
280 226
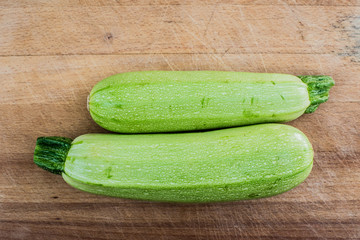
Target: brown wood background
52 52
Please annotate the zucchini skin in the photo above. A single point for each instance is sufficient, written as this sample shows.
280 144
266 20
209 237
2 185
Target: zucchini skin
222 165
173 101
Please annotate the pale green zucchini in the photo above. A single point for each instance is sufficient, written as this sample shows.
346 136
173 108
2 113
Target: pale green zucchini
164 101
221 165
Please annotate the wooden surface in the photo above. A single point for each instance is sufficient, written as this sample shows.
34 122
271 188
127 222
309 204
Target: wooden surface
53 52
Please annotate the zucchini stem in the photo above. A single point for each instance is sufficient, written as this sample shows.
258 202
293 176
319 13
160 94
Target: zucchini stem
318 88
50 153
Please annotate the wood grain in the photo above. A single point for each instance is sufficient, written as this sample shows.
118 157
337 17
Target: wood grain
53 52
224 29
72 3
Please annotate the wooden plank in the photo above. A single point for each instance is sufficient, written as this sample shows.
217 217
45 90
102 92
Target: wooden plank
179 29
184 222
326 206
75 120
200 231
70 3
65 79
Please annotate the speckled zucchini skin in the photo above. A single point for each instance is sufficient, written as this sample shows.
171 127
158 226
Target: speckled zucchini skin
222 165
172 101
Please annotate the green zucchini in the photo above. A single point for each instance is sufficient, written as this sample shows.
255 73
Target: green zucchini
164 101
222 165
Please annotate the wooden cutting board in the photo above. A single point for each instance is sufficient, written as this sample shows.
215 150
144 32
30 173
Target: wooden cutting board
53 52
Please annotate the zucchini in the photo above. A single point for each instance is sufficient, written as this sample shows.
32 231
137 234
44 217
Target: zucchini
164 101
222 165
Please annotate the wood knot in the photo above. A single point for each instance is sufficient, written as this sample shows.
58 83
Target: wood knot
108 37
